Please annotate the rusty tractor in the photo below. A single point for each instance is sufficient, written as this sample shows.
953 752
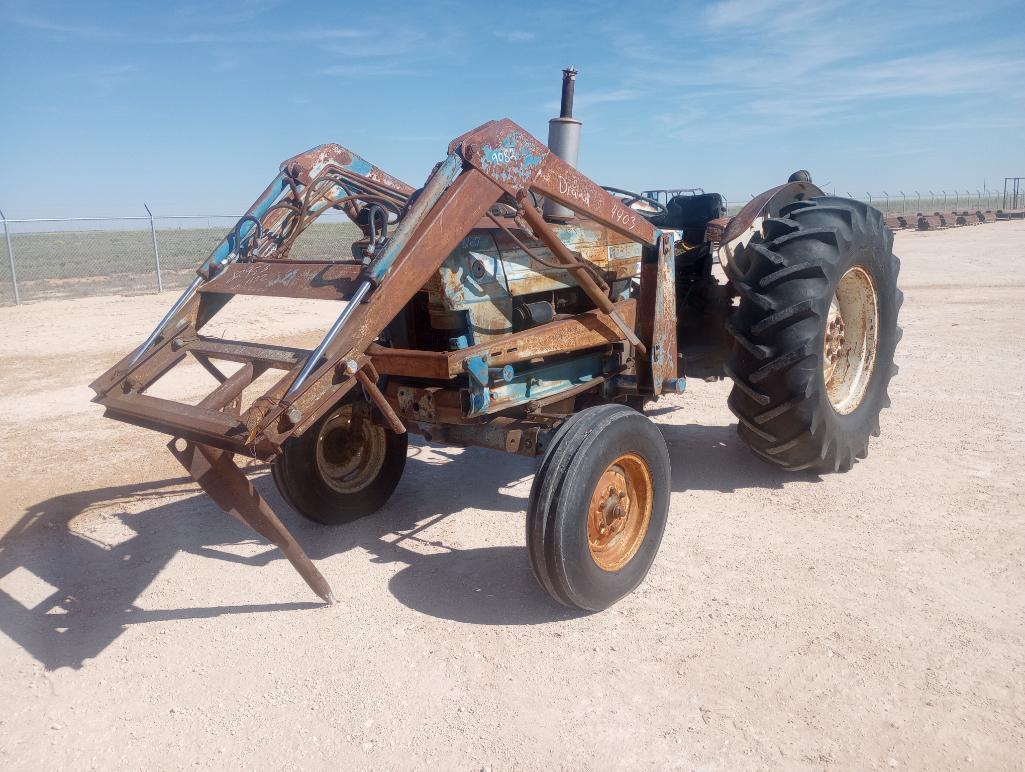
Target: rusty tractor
514 304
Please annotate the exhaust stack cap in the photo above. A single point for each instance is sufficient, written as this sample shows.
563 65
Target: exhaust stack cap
564 139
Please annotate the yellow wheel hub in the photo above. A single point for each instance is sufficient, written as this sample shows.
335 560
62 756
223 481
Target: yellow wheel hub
619 512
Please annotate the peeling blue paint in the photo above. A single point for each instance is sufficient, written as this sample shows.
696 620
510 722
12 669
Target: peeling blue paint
360 166
514 160
227 246
539 382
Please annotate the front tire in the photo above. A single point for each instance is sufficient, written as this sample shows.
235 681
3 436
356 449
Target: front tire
344 467
815 333
598 507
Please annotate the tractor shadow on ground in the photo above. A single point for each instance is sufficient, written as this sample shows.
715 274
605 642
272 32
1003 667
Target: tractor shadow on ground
495 585
94 585
87 577
714 458
96 577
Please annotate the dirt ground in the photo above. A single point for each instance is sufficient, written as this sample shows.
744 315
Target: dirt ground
869 620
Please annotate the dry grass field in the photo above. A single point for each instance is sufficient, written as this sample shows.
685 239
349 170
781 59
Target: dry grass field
874 619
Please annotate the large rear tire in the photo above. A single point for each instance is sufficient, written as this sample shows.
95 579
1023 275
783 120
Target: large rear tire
815 333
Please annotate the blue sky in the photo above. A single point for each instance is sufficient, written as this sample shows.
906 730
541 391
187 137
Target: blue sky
191 106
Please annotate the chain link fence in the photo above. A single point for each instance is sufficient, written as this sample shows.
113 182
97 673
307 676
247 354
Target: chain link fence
77 257
911 202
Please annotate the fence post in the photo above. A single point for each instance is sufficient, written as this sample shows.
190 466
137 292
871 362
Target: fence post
156 249
903 203
10 257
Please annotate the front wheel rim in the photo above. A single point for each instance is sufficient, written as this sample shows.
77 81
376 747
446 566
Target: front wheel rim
619 512
851 340
350 450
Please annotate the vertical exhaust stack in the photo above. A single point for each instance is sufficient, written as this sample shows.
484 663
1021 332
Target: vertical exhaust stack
564 140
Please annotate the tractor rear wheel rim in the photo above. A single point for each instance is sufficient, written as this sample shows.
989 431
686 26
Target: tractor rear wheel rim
851 340
619 512
350 450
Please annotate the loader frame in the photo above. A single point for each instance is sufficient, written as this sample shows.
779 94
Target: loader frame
518 388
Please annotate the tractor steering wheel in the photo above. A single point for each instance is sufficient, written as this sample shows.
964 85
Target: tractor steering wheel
628 197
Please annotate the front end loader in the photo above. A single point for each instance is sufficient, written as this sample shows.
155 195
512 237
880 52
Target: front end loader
512 303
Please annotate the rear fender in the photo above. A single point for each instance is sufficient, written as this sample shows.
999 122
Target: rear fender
748 221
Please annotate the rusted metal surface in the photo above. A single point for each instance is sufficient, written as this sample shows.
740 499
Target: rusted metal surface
277 357
261 430
538 225
231 490
646 316
468 200
563 399
411 362
663 352
538 273
211 427
715 228
116 375
431 404
584 331
473 234
508 435
587 330
380 262
465 201
287 279
748 220
516 160
538 382
309 164
493 266
370 387
619 512
232 387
